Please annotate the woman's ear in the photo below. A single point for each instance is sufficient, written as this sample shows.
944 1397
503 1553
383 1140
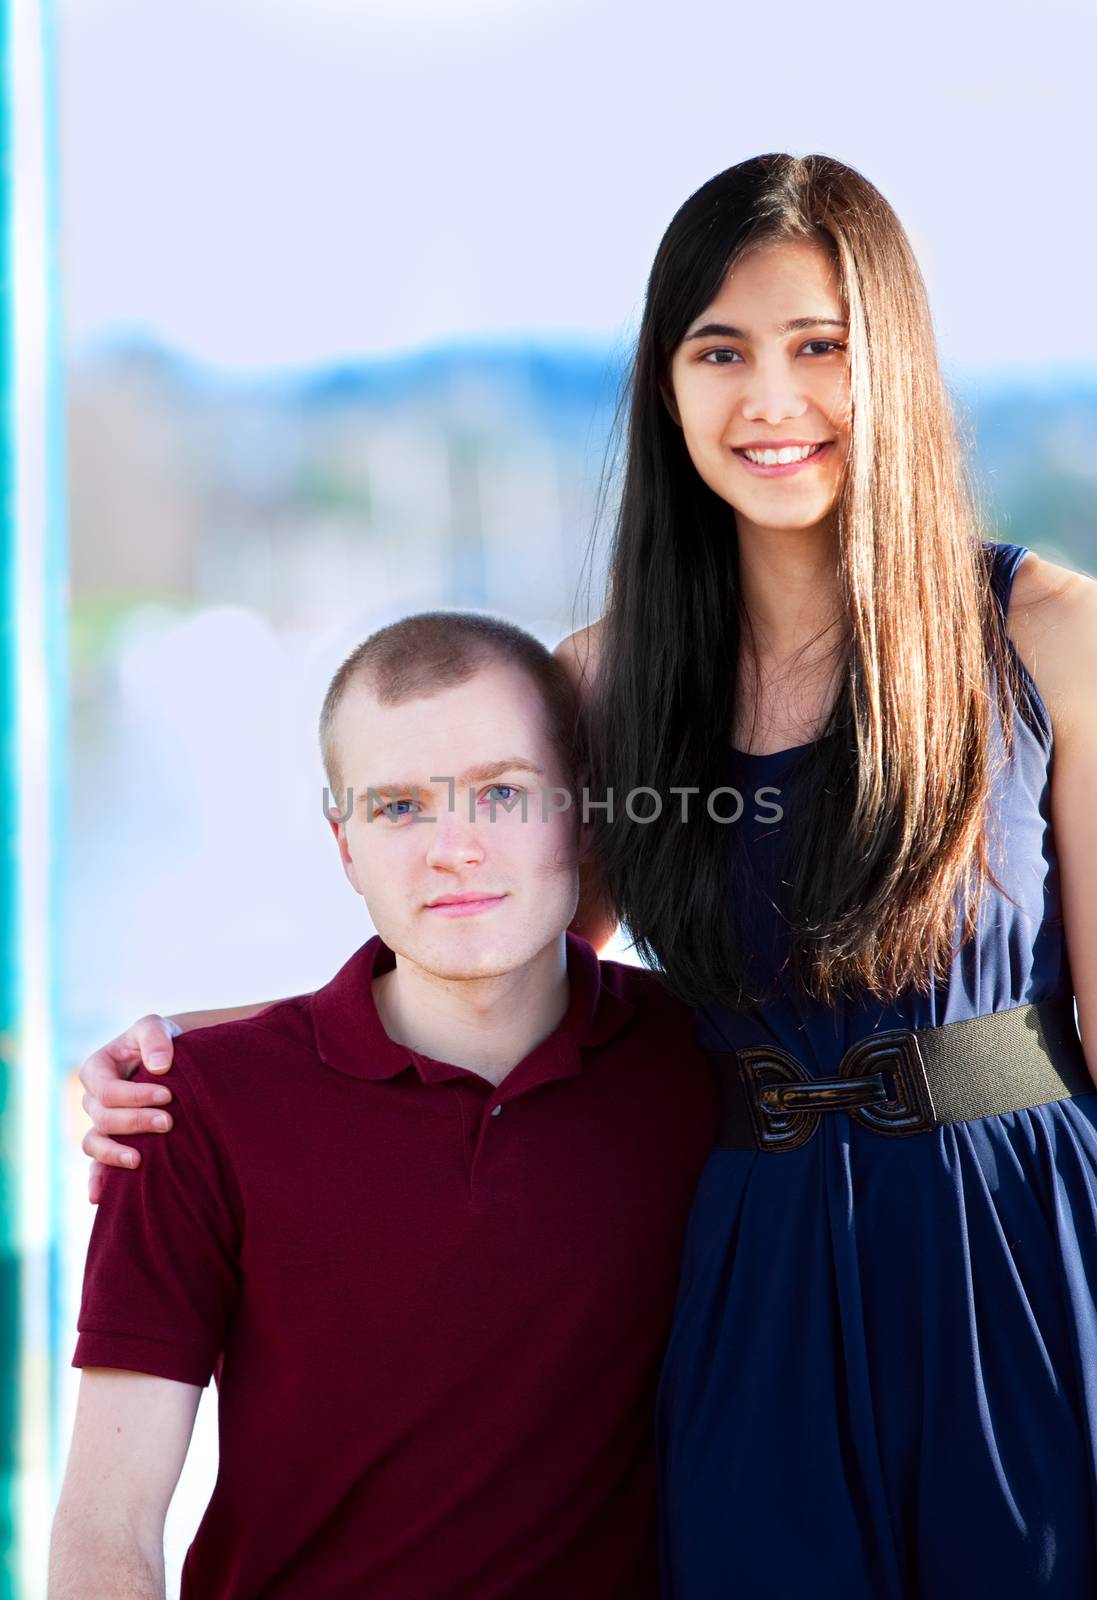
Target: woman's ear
669 400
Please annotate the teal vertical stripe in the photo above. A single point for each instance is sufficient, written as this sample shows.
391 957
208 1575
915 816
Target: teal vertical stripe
10 1364
56 668
33 604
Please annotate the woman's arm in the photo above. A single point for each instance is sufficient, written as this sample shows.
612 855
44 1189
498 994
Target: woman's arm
117 1106
594 918
1053 623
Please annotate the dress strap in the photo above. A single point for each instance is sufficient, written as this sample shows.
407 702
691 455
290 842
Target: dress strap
1004 559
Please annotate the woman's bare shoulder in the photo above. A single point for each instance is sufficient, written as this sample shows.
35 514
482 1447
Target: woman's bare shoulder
578 654
1053 624
1040 583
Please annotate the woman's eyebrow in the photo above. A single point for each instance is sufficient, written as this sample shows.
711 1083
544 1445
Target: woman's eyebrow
724 330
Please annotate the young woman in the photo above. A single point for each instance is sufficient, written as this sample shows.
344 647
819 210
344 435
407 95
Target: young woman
882 1380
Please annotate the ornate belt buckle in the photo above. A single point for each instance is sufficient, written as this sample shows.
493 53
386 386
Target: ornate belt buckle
786 1122
911 1109
774 1128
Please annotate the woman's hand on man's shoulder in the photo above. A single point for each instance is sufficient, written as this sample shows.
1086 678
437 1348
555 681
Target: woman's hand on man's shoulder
115 1105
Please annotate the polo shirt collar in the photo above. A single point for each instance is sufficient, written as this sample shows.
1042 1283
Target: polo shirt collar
350 1038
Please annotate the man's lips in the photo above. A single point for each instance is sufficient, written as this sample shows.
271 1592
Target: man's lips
464 905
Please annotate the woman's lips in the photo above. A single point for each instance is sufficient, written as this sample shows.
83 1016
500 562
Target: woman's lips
782 471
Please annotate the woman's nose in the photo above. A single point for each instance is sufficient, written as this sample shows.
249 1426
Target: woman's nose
771 394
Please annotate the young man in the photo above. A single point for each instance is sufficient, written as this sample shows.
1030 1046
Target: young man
423 1225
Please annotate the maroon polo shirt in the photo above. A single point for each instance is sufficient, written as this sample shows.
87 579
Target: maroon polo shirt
436 1307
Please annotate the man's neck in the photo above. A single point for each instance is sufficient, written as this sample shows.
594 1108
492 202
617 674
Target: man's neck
486 1025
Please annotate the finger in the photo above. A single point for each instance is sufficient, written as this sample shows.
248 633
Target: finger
148 1043
127 1121
121 1092
97 1175
154 1034
100 1148
113 1063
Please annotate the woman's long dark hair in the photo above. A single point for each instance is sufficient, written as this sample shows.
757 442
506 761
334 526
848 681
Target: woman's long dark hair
889 851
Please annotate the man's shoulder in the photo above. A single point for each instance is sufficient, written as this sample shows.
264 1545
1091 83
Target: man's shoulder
203 1058
659 1046
646 992
283 1023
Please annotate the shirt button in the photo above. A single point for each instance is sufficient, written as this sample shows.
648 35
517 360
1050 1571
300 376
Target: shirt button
495 1110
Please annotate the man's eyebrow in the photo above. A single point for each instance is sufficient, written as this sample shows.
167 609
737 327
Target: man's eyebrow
724 330
494 769
483 773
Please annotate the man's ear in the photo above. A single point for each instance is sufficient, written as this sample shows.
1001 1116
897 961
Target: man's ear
345 856
671 403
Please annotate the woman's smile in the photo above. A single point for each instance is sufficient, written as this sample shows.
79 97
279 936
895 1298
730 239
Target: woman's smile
773 393
779 462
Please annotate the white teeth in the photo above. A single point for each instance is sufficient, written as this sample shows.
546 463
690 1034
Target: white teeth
775 458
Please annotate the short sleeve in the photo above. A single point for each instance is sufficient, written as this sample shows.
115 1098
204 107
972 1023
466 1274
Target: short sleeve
162 1275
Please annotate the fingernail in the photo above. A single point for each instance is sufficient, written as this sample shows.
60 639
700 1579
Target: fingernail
131 1159
159 1122
160 1097
158 1060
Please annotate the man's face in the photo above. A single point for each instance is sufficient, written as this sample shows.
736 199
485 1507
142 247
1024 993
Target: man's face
404 851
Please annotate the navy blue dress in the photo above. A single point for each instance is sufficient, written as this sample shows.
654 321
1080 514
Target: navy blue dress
882 1377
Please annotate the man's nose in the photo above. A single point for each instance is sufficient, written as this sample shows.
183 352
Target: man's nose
453 838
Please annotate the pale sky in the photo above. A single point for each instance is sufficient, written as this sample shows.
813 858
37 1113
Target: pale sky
262 183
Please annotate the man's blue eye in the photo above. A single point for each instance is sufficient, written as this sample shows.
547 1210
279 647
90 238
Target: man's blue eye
387 810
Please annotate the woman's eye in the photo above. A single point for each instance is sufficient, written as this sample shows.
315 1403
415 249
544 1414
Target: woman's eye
713 356
496 787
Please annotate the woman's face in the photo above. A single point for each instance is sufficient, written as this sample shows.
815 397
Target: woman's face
745 378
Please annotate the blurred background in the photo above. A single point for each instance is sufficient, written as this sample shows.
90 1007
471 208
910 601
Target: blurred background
325 309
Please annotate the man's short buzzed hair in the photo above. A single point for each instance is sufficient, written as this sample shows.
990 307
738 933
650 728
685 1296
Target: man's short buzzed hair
433 650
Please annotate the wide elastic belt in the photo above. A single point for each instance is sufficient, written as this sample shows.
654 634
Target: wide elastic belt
904 1082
